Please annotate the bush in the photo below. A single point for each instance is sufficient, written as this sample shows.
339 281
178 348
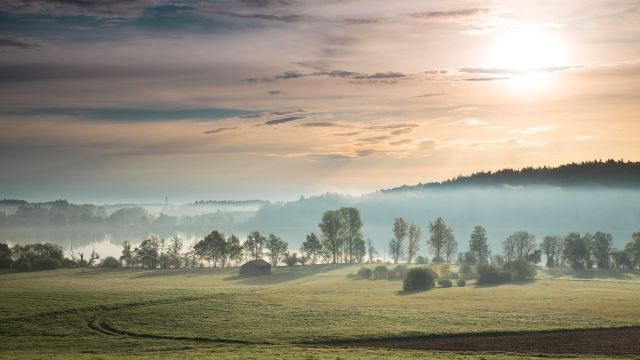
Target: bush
520 270
454 276
445 283
380 272
462 283
442 270
364 272
466 272
110 262
419 279
422 260
23 267
46 263
491 274
398 273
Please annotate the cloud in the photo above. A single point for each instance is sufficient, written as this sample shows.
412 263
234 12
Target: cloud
585 137
430 95
12 42
284 120
494 26
539 129
471 122
450 14
219 130
495 78
510 71
133 114
275 92
320 124
340 74
111 9
286 18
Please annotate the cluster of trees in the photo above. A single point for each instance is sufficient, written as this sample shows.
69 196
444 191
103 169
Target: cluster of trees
61 213
341 239
441 241
584 251
45 256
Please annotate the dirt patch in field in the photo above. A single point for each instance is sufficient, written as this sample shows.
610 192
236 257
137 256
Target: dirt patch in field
608 341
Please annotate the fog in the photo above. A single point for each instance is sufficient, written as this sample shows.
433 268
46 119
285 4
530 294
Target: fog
543 210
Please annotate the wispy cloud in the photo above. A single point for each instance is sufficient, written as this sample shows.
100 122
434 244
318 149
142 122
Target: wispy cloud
284 120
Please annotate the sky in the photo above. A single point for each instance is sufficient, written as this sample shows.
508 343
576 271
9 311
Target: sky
132 101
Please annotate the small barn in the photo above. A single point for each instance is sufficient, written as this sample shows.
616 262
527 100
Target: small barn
255 268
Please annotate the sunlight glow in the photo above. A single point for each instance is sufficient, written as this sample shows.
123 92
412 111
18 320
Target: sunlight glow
527 57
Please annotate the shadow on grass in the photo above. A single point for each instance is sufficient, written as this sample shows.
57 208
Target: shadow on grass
284 274
151 273
490 285
413 292
592 273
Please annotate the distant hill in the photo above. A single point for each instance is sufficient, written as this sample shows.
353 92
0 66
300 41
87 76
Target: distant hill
610 173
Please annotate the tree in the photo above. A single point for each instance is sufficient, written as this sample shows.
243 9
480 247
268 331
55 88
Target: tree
620 259
291 259
413 247
371 251
254 244
395 250
551 246
575 250
451 247
351 230
359 250
233 250
440 234
601 245
276 249
147 253
312 247
212 248
519 245
396 246
587 239
633 250
479 245
330 226
127 254
174 252
5 256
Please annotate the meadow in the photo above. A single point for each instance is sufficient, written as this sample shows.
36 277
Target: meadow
310 312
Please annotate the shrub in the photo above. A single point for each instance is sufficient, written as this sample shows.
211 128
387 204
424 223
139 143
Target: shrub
491 274
466 272
454 276
520 270
419 279
422 260
45 263
442 270
364 272
462 283
23 267
445 283
380 272
110 262
398 273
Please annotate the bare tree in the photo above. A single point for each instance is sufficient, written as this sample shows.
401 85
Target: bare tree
415 235
396 247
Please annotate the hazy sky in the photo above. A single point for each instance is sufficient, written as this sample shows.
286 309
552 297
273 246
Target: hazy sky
134 100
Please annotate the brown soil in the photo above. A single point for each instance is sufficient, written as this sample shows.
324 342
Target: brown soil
606 341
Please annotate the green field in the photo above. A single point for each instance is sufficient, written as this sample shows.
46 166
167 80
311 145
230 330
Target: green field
293 313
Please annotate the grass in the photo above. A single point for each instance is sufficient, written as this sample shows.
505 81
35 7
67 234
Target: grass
215 313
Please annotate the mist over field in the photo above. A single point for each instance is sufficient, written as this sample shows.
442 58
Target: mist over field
501 210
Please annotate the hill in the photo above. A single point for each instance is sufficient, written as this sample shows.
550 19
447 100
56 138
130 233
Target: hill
610 173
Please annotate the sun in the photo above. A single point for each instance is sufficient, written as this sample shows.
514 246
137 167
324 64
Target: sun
527 57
